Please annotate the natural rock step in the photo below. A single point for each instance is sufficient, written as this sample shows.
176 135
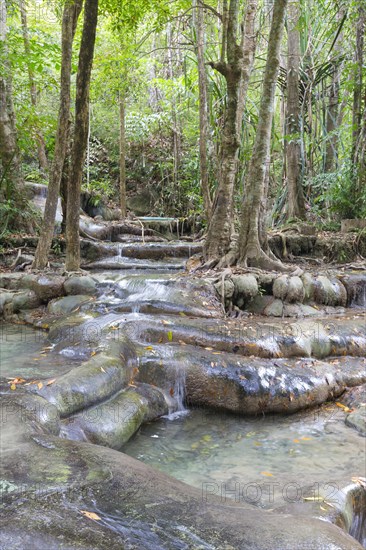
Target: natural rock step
161 307
94 381
251 385
140 251
255 337
109 231
114 421
140 239
117 262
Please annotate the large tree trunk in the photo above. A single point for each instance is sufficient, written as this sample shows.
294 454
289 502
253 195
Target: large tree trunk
250 247
122 155
333 112
9 152
86 55
176 127
41 147
203 113
237 72
69 22
358 107
296 201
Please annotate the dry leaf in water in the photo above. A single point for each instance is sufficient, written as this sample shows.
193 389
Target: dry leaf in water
90 515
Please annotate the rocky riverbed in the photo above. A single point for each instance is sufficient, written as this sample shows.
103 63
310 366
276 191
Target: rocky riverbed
97 356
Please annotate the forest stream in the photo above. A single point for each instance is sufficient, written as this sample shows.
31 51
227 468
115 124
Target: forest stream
145 362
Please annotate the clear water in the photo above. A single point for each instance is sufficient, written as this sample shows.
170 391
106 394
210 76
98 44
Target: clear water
25 352
270 460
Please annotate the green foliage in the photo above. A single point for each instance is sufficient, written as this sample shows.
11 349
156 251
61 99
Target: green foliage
335 192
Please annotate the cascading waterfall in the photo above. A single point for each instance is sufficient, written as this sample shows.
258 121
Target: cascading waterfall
177 406
120 251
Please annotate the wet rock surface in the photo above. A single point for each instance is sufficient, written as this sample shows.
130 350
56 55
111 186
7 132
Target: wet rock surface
133 347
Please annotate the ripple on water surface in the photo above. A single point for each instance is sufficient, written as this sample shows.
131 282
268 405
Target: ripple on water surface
20 353
313 448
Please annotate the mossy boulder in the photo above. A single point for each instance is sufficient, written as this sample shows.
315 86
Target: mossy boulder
289 289
45 287
26 300
66 304
225 290
330 292
245 289
80 285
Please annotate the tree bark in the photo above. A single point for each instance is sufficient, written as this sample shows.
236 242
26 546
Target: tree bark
236 70
9 152
250 247
358 107
122 156
203 114
69 21
296 200
86 55
175 118
41 147
334 109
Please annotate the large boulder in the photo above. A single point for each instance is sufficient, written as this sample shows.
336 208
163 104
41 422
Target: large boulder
45 287
80 285
67 304
25 300
289 289
246 288
330 292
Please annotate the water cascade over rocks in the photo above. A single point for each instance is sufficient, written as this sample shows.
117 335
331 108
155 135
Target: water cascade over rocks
137 340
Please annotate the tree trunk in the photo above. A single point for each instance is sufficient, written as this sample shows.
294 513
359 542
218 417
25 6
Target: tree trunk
296 201
41 147
203 114
357 114
333 112
175 118
65 178
9 152
122 156
86 55
69 21
250 247
237 72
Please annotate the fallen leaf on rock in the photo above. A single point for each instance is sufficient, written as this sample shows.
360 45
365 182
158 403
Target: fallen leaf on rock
51 382
40 385
344 407
101 368
170 336
90 515
296 441
17 381
13 387
268 474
